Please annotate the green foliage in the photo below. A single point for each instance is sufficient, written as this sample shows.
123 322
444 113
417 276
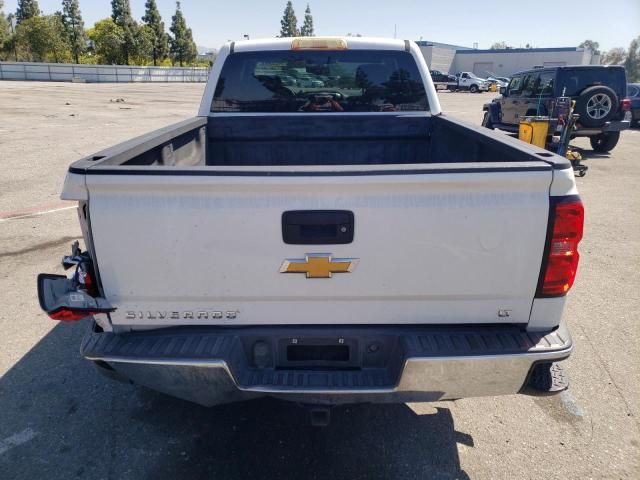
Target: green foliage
42 39
629 58
591 45
120 12
107 40
74 28
27 9
121 15
118 40
289 22
9 48
183 48
141 46
500 46
5 33
615 56
307 27
632 62
155 28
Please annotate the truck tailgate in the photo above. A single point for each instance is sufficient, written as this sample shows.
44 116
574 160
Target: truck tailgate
432 244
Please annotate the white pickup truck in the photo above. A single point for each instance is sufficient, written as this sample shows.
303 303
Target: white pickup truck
469 81
343 241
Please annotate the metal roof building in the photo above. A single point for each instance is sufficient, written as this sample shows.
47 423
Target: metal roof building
501 62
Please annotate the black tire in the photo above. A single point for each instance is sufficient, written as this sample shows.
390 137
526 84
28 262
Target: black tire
596 106
486 121
605 142
473 88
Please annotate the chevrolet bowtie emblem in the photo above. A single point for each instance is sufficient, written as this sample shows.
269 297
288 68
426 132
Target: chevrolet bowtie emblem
318 265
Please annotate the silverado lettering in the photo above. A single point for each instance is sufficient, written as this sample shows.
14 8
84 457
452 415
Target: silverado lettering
200 315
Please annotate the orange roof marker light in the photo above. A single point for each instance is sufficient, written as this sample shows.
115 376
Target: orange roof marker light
314 43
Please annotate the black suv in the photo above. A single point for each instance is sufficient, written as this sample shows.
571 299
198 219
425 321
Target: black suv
599 92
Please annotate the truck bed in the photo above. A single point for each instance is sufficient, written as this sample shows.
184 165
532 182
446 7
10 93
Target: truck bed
259 140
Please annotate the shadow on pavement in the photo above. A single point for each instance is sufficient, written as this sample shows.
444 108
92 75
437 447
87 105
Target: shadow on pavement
60 419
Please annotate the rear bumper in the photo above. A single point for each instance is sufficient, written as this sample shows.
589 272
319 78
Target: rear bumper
616 126
212 366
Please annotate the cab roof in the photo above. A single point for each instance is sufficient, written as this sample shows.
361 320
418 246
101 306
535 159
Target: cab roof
353 43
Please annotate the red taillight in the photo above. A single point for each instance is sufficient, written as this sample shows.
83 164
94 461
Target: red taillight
625 105
70 315
562 251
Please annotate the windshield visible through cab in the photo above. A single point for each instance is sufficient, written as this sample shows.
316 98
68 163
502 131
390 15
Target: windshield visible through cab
312 81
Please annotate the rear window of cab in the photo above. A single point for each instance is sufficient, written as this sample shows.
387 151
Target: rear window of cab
320 81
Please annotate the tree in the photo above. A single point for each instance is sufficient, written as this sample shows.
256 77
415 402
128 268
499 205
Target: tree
10 44
615 56
500 46
307 27
120 11
27 9
632 62
141 47
289 22
5 33
107 39
42 39
155 29
591 45
183 48
74 28
121 15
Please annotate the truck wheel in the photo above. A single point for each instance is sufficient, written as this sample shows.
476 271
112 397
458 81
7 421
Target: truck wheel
596 106
473 88
605 142
486 121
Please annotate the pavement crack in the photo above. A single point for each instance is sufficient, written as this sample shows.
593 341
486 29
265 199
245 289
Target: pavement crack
613 382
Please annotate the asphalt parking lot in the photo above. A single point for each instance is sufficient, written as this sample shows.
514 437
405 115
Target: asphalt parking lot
59 419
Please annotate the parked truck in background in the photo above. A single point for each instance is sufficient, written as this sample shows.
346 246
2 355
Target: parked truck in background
323 244
471 82
443 80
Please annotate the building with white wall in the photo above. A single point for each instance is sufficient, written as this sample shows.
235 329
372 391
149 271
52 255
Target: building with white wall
501 62
439 56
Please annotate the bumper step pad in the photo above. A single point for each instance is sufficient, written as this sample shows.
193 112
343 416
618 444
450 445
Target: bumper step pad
547 379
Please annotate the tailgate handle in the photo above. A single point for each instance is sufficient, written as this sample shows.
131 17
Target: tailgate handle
317 227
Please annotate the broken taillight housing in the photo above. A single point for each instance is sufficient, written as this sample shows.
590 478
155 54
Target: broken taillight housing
71 315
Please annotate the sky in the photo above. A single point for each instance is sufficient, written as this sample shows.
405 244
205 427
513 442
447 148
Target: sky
612 23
